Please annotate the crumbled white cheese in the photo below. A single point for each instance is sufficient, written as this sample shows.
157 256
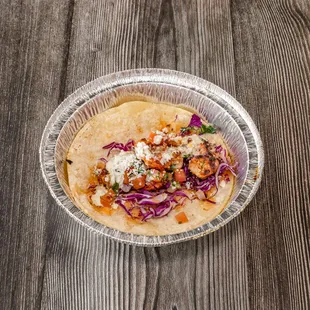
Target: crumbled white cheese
168 155
165 158
158 139
190 145
114 205
165 130
188 185
100 191
138 169
174 185
142 151
118 165
178 140
152 175
160 133
222 184
97 171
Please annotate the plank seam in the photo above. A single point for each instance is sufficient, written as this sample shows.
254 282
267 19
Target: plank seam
67 35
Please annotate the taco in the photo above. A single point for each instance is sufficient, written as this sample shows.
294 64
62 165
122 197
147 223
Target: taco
150 169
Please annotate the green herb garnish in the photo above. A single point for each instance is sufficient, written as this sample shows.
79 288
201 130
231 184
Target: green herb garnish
185 129
141 170
165 178
176 184
172 167
115 187
186 156
207 129
97 172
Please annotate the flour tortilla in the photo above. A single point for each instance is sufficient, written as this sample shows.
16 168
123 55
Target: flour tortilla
135 120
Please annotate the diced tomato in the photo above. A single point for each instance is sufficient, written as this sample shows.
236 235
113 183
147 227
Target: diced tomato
126 179
179 175
93 180
181 218
139 182
152 136
154 163
111 193
107 199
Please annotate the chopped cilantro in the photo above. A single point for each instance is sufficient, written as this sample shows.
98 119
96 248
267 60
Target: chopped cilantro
115 187
97 172
207 129
176 184
165 178
172 167
185 129
186 156
140 170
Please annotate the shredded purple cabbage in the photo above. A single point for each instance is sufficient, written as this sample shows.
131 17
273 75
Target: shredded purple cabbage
126 188
163 210
186 170
182 194
211 201
167 185
156 200
195 121
159 205
145 192
136 196
120 146
158 212
218 149
120 203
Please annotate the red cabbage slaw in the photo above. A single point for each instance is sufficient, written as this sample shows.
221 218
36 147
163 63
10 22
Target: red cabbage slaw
195 121
120 146
160 203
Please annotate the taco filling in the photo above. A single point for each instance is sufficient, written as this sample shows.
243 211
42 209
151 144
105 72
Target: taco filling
173 170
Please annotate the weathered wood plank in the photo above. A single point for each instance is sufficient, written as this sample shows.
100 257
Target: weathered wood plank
32 47
211 272
271 42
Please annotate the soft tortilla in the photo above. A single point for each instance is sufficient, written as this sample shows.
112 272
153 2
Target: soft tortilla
134 120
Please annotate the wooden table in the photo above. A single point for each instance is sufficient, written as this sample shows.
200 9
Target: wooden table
258 51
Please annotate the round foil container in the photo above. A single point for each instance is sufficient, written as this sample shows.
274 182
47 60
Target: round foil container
177 88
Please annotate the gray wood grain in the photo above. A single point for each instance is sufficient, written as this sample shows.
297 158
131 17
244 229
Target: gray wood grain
33 41
256 50
277 96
